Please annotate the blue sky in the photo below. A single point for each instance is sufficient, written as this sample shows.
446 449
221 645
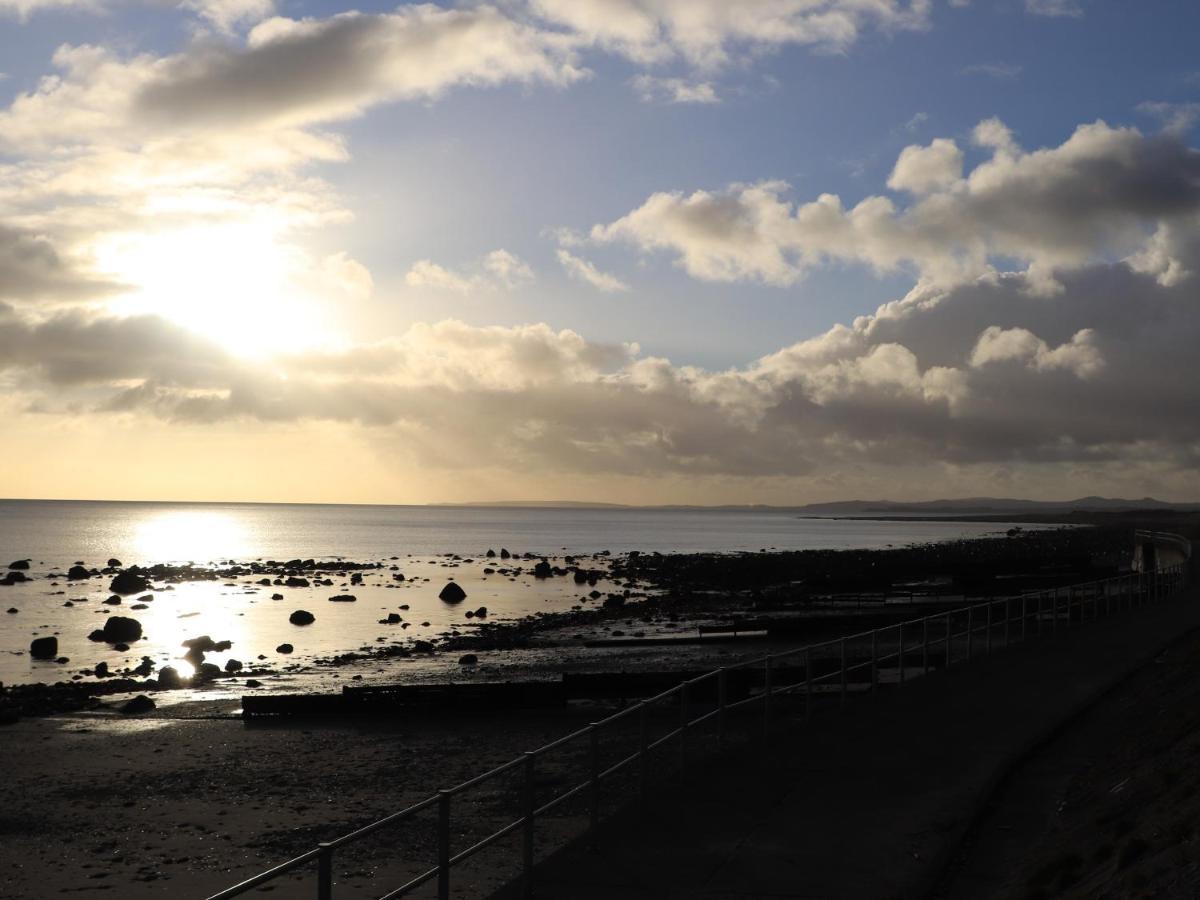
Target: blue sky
423 183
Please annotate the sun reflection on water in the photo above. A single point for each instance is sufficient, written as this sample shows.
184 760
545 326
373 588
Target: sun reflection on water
191 536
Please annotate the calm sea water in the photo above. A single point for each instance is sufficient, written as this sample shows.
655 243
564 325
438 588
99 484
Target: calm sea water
61 532
415 539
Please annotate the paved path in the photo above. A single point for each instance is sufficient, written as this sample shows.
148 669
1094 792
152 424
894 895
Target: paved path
869 803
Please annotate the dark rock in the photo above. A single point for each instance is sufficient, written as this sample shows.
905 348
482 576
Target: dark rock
206 671
63 660
44 648
145 667
97 636
491 554
284 648
233 665
131 581
343 598
13 578
114 600
114 563
101 670
542 570
614 600
138 705
122 629
277 596
468 659
203 643
452 593
12 610
169 678
302 617
481 613
120 647
422 647
222 646
394 619
581 576
294 582
19 564
253 683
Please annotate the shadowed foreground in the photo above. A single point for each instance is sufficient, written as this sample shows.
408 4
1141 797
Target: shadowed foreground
869 803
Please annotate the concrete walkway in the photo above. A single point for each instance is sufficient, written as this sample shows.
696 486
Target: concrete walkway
870 802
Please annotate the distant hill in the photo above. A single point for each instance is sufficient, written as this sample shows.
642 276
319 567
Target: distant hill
956 507
984 505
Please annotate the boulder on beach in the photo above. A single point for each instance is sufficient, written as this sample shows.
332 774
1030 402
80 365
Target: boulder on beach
19 564
422 647
452 593
101 670
302 617
44 648
481 613
169 678
284 648
295 582
393 619
233 665
277 596
145 667
122 629
343 598
114 563
13 578
504 554
138 705
97 636
542 570
491 554
131 581
78 573
204 643
468 659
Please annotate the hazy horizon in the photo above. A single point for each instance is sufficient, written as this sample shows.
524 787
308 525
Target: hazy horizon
647 252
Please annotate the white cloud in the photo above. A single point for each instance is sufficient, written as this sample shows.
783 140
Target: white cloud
709 32
1176 118
498 270
652 89
1073 8
583 270
1105 192
226 14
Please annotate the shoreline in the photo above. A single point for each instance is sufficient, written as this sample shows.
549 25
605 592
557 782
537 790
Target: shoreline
645 595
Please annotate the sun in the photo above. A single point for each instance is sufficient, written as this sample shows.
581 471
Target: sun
237 283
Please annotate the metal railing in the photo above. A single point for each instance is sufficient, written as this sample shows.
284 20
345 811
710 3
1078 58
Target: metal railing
829 672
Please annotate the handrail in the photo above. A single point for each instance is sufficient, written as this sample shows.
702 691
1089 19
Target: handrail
1134 589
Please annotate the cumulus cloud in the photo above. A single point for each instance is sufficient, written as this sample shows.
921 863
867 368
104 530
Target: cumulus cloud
499 270
32 270
1105 192
584 270
708 32
227 14
983 373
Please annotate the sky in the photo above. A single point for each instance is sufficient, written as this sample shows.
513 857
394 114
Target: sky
637 251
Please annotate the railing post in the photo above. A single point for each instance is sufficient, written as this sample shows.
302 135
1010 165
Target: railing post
325 872
1007 619
900 652
722 695
970 630
1024 615
1054 617
948 641
874 659
643 741
527 839
807 684
443 845
925 646
767 699
594 763
987 644
843 651
684 713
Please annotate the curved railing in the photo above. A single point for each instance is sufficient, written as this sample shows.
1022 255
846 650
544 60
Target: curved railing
827 672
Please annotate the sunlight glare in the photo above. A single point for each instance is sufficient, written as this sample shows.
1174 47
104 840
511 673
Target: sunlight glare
235 283
191 536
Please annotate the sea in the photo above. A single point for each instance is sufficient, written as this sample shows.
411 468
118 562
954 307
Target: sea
420 542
